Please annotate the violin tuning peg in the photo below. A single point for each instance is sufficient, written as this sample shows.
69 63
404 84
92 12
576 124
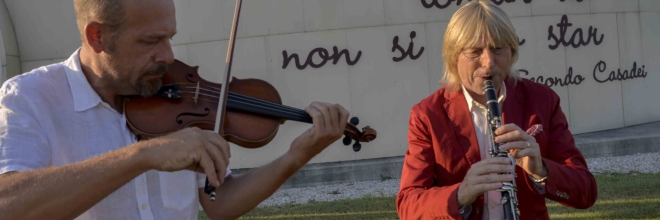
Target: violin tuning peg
357 146
355 121
347 140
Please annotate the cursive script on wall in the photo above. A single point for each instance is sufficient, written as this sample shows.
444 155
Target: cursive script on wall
323 54
563 26
405 53
437 3
557 81
635 72
520 43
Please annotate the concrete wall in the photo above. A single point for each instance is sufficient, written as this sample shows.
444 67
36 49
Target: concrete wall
619 36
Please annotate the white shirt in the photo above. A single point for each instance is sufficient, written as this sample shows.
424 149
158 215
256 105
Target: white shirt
492 199
51 116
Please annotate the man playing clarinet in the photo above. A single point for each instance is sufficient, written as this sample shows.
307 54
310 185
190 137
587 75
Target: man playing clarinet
448 171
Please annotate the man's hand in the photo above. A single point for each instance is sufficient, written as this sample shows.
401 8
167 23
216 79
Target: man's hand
329 123
482 177
192 149
523 148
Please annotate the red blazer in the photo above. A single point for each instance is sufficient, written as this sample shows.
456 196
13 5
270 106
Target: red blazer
442 145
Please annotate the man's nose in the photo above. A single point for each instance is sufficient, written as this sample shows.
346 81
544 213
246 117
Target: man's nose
487 58
165 54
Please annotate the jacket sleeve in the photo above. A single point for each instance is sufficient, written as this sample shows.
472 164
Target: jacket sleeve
569 181
418 198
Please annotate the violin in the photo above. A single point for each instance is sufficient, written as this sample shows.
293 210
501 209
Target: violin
246 112
254 110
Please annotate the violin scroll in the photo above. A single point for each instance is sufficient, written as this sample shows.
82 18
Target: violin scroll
353 133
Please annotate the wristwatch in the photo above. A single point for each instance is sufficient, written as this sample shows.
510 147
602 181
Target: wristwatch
537 180
542 179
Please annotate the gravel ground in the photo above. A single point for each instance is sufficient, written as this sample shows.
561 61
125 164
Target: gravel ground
644 163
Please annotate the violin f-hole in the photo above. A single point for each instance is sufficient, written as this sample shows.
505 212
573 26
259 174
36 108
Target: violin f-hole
178 118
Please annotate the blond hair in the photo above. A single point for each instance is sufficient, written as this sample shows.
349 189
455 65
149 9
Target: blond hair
466 28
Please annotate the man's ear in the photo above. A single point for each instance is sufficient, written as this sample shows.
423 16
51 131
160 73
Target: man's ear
94 36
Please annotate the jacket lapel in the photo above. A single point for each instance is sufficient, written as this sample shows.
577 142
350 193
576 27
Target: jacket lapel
512 108
461 120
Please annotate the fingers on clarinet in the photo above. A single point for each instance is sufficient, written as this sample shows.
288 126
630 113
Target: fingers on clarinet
496 168
499 160
485 187
494 178
515 145
524 153
505 129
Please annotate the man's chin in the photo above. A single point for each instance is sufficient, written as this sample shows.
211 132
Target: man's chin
149 88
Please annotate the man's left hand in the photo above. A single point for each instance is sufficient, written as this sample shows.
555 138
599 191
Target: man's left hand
329 123
523 148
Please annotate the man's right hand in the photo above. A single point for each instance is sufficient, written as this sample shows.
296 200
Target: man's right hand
191 149
482 177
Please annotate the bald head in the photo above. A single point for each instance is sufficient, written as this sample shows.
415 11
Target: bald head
109 12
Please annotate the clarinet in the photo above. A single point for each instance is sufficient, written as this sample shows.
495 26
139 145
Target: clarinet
509 189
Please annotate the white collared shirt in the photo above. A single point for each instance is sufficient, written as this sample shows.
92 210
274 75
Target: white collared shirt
51 116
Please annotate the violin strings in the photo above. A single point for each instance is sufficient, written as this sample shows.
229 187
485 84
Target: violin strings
293 112
251 99
212 88
291 115
195 88
246 97
258 104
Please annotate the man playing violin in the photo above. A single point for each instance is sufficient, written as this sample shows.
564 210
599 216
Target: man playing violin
66 152
448 172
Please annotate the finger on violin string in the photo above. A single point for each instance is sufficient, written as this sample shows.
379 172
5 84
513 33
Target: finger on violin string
343 119
316 116
334 115
325 111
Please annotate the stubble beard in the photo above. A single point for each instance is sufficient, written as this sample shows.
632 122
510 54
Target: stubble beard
126 84
149 88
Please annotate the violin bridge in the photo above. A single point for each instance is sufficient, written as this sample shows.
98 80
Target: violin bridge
196 94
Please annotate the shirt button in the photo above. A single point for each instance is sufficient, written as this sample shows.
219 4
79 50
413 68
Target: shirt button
144 206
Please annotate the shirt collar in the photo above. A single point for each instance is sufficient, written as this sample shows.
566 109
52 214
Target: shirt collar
84 97
471 102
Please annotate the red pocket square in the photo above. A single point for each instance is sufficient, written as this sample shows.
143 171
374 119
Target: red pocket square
535 129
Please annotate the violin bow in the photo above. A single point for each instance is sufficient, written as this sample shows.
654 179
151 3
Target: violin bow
222 103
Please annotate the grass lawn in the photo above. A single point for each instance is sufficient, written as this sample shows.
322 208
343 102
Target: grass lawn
620 196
